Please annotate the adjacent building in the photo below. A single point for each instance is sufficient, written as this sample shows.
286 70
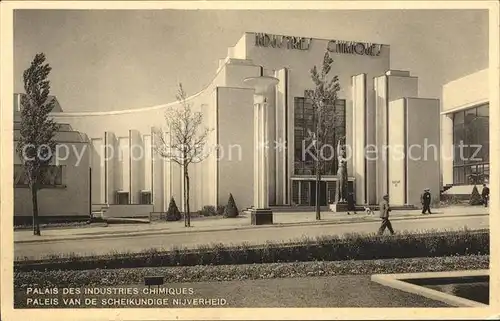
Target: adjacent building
64 193
465 133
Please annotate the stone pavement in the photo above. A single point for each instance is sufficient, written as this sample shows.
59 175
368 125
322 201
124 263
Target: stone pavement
190 238
213 224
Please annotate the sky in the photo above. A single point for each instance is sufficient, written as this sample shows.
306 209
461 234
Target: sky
123 59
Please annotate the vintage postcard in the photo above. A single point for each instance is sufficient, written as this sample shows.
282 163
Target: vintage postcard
249 160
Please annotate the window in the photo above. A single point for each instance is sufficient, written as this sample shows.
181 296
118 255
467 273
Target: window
458 118
304 193
471 145
483 111
458 142
52 176
295 192
304 126
122 198
145 197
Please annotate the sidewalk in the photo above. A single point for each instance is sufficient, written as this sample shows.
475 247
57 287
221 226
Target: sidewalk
281 220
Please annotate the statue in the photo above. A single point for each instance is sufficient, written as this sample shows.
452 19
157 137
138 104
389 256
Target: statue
341 187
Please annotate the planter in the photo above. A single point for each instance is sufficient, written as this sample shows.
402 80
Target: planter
261 216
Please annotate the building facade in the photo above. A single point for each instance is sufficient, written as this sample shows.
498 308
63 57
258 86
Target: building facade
64 193
465 133
377 108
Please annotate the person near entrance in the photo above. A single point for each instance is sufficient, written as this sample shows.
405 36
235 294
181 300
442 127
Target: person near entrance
351 203
485 195
384 215
425 199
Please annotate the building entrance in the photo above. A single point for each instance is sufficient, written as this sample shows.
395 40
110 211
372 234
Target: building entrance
304 192
322 196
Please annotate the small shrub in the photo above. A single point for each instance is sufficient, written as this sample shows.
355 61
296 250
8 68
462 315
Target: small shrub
208 210
173 213
475 198
231 209
449 199
221 209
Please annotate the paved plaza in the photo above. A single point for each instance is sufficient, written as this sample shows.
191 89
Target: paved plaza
130 237
281 219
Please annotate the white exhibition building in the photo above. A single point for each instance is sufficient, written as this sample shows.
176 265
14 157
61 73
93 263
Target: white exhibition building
378 109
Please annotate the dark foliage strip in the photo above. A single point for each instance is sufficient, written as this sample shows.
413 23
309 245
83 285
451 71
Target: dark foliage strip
350 247
207 273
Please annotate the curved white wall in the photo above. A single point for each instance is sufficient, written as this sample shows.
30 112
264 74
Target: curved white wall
120 130
224 98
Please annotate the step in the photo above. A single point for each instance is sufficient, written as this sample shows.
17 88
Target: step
286 208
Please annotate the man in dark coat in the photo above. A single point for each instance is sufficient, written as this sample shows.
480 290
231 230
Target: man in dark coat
425 199
351 203
485 195
384 215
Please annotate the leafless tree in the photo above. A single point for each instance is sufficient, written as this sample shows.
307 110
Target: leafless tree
323 99
183 141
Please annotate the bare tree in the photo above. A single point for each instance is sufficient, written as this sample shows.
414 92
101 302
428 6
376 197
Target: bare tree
183 141
36 145
323 99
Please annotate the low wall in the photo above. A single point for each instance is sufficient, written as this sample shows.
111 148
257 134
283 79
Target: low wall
463 190
54 202
128 210
26 220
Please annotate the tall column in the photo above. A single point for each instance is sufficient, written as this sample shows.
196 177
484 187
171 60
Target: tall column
98 174
261 213
265 157
261 154
394 85
262 151
280 129
447 149
256 175
359 138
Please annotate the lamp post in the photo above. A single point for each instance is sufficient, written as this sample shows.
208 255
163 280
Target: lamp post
261 213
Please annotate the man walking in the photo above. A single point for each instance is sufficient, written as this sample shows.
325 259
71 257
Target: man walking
485 195
384 215
425 199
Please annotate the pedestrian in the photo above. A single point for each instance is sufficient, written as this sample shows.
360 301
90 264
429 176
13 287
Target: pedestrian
351 203
384 215
425 199
485 195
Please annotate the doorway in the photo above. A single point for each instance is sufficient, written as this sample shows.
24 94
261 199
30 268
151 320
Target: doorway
322 196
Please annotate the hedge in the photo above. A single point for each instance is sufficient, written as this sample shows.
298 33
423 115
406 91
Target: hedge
203 273
327 248
210 210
